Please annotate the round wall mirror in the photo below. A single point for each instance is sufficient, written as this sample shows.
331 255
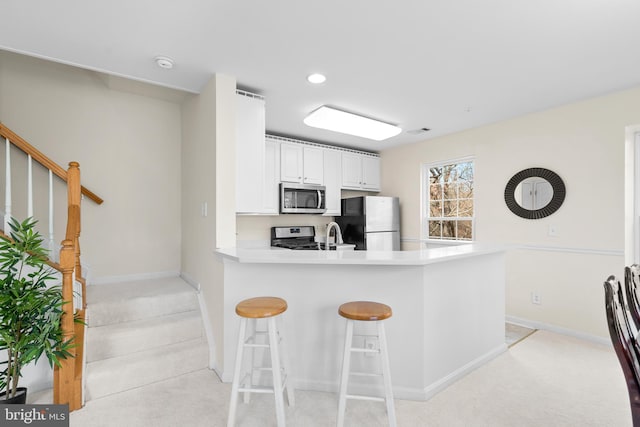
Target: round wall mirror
534 193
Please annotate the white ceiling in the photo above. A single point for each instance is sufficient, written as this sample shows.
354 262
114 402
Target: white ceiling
447 65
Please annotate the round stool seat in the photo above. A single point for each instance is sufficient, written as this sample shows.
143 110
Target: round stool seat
365 310
261 307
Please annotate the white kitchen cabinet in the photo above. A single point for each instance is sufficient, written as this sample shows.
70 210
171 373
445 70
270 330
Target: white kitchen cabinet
270 184
332 181
250 153
360 172
313 170
301 164
371 173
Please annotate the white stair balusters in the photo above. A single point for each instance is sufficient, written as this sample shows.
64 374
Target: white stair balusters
29 187
54 254
7 188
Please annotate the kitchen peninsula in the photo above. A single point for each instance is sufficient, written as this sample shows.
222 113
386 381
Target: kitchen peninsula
448 310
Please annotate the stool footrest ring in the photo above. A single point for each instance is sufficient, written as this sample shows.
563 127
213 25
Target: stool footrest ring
361 397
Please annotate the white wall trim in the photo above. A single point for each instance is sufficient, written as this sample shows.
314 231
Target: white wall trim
194 284
133 277
206 321
557 329
586 251
406 393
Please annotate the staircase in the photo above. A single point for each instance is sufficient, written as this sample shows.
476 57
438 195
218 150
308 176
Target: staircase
141 332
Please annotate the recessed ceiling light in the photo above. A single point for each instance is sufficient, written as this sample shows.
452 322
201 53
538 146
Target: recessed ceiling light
164 62
349 123
316 78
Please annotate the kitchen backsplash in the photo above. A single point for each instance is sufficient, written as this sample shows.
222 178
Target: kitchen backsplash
255 230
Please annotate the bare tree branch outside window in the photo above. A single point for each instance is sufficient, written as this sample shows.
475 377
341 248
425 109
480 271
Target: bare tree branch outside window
450 210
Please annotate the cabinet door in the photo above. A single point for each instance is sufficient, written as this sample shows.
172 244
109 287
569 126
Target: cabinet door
332 181
370 173
250 127
270 194
313 169
351 171
290 162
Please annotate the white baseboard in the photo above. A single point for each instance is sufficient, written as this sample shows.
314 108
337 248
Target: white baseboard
557 329
206 321
133 277
191 281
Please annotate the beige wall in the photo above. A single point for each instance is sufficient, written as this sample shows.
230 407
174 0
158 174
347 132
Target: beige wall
584 143
128 147
208 158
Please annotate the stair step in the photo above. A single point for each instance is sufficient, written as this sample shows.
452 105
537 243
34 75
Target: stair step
131 301
126 372
118 339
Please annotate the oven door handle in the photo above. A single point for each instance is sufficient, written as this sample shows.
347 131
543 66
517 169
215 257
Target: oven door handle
319 199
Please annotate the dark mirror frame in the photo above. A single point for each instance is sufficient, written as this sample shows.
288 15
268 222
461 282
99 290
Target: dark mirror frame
559 193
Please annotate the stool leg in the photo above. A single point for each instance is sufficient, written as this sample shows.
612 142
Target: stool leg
275 367
252 327
346 361
386 375
287 368
236 374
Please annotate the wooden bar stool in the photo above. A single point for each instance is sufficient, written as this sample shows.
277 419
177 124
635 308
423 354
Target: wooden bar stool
253 309
365 311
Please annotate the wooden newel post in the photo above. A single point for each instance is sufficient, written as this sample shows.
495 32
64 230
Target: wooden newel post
64 376
74 194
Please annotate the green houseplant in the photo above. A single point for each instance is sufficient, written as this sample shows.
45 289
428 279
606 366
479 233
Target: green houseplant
30 309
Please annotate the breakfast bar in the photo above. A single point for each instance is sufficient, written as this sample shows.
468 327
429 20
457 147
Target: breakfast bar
448 310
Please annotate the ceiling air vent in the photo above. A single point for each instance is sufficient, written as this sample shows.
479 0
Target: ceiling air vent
418 131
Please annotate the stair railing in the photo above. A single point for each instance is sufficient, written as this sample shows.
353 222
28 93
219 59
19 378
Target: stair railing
67 379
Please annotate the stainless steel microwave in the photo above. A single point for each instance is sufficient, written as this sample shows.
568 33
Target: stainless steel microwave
302 198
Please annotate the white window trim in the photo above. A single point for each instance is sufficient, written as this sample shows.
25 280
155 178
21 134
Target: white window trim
425 200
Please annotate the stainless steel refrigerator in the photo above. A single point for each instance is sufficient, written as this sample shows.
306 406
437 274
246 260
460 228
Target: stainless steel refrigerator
371 223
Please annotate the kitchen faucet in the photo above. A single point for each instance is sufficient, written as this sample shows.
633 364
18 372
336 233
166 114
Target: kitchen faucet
338 234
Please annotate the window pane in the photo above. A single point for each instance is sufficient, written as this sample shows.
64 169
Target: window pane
464 230
465 207
435 209
449 191
450 208
465 171
465 190
448 229
435 192
435 229
435 175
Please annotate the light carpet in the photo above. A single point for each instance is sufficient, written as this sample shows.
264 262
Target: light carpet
545 380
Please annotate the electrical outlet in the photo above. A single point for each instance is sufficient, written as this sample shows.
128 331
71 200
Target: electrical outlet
535 298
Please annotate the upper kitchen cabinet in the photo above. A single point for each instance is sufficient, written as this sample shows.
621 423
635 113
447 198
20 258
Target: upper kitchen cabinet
270 184
332 181
301 163
360 171
250 153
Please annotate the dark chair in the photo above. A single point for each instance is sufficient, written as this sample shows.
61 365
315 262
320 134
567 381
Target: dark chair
624 343
631 278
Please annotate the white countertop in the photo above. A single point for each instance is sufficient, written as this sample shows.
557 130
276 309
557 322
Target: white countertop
420 257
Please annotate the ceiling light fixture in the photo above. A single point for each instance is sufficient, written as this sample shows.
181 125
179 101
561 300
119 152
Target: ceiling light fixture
340 121
316 78
164 62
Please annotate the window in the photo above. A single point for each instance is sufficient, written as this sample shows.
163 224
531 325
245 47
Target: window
449 200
